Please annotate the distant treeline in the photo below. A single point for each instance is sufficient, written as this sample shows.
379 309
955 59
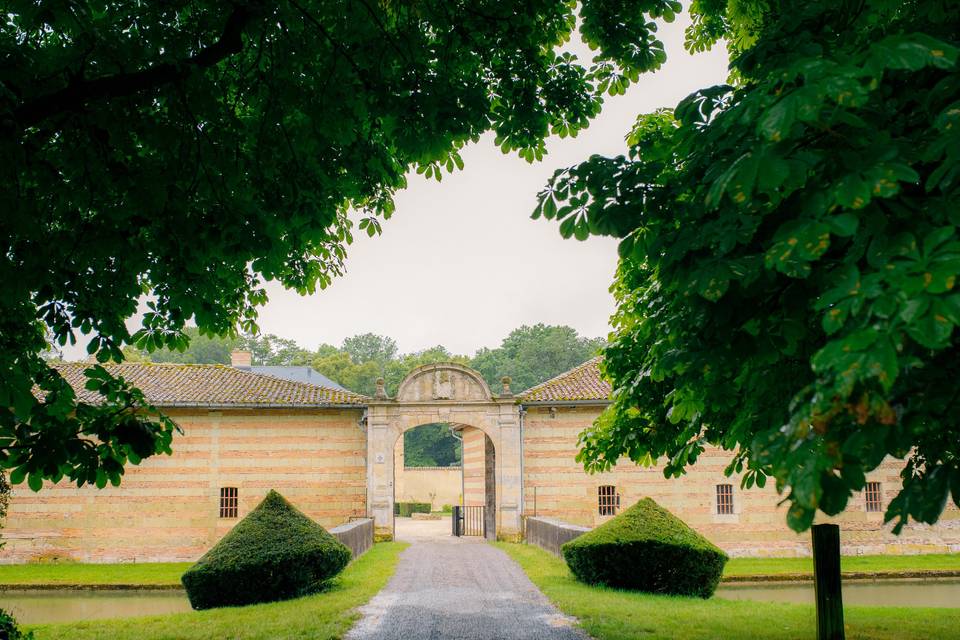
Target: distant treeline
529 355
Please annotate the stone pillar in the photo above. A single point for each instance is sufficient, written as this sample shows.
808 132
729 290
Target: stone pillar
509 466
381 438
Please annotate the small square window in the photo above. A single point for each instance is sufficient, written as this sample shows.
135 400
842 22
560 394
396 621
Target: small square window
725 499
874 496
608 501
229 502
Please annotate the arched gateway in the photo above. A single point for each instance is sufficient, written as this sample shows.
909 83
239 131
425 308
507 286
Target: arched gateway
457 395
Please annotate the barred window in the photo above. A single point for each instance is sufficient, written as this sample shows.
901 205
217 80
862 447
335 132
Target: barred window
608 502
228 502
874 497
724 498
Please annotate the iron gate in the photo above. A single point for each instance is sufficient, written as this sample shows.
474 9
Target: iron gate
469 521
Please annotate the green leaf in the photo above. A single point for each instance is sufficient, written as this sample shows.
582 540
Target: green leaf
18 475
775 123
843 225
852 191
932 331
799 518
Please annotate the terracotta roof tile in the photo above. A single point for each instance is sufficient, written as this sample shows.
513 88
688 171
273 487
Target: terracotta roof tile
171 385
578 384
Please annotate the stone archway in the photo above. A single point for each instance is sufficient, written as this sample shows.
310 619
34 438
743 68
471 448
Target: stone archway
454 394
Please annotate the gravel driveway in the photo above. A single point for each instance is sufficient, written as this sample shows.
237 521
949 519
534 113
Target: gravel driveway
460 588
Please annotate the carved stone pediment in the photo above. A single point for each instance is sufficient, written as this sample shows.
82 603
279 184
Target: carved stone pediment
443 382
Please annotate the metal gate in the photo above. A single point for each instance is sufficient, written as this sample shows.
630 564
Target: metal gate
469 521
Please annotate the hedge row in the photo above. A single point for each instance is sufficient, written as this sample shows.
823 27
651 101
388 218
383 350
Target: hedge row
404 509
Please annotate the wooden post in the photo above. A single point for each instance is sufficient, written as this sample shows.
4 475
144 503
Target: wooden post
826 579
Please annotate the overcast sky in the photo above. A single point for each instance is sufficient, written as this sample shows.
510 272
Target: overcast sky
461 263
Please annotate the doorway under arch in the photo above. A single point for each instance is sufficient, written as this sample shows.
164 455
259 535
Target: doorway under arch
421 491
457 395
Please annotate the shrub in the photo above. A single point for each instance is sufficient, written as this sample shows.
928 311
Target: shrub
275 553
649 549
405 509
9 629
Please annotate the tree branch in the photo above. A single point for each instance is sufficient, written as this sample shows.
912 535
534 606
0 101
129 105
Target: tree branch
76 95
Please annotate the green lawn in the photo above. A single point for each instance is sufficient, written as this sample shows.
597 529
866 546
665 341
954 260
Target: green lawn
609 614
325 615
738 567
146 574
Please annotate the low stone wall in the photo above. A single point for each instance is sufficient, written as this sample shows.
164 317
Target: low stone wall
357 535
551 534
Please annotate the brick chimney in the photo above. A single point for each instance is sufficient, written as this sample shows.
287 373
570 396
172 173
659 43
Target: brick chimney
240 359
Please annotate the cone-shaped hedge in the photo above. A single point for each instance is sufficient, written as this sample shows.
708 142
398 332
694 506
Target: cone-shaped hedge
649 549
275 553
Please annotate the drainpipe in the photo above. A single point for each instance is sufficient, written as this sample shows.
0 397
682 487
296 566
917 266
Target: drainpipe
463 500
522 412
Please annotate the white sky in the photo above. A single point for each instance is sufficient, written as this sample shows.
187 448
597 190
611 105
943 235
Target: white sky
461 263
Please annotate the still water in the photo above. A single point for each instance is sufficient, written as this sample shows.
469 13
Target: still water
886 593
37 607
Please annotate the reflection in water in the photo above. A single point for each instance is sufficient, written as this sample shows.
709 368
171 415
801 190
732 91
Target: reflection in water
38 607
886 593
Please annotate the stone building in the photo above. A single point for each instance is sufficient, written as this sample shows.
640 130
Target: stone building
335 454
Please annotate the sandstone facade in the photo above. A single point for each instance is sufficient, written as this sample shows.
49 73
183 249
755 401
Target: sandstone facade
168 507
556 486
337 456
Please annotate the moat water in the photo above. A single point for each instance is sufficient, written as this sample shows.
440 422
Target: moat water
864 593
38 607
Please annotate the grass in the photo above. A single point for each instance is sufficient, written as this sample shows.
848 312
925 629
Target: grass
610 614
161 574
325 615
744 567
151 574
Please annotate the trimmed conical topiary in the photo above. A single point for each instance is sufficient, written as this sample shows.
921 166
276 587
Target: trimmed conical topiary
649 549
275 553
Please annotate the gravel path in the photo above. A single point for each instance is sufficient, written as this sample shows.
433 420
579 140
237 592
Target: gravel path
460 589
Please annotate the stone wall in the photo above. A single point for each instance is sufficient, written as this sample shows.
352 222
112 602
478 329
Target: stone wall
418 484
556 486
436 485
474 467
551 534
167 508
357 535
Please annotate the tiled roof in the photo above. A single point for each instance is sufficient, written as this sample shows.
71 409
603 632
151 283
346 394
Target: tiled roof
172 385
582 383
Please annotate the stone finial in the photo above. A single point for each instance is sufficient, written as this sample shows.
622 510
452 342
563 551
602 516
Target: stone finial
505 381
381 392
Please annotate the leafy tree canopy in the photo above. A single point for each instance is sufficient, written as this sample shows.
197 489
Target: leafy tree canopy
430 445
369 347
533 354
789 256
193 150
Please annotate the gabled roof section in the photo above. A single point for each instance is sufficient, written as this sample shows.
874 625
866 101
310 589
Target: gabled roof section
211 385
580 384
307 375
